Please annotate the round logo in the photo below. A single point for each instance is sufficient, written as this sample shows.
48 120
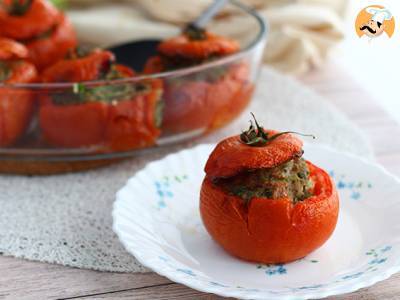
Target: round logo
375 21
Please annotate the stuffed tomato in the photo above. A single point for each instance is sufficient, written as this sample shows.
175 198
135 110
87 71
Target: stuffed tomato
262 202
207 99
45 31
113 116
16 104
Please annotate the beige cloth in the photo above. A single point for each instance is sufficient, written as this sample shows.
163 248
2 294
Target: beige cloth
301 31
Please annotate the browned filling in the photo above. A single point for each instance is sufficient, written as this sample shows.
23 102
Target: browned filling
5 71
291 179
108 93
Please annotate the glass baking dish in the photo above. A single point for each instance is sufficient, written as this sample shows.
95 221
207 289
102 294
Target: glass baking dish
51 125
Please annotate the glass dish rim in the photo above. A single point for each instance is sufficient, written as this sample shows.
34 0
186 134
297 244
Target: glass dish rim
261 36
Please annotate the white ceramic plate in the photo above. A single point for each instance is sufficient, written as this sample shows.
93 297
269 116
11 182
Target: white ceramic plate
157 219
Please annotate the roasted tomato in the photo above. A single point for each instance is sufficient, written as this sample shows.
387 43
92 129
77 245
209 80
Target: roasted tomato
24 19
230 94
11 50
112 116
53 45
135 123
45 31
262 202
207 99
197 45
80 65
16 104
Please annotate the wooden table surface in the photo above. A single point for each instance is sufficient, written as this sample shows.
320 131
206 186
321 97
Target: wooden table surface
20 279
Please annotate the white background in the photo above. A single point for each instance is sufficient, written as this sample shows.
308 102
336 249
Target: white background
374 65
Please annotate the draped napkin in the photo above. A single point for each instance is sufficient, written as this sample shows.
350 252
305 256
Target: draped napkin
302 32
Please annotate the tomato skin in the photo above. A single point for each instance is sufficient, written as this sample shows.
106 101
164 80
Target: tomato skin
230 94
183 46
125 125
271 230
32 27
153 65
186 107
232 156
16 105
73 126
199 104
44 52
12 50
131 124
22 72
40 17
87 68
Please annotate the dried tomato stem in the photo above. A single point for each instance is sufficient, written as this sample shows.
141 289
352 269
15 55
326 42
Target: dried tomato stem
256 136
195 33
288 132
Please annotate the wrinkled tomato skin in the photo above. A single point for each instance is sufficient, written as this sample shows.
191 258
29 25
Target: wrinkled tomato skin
183 46
132 124
271 230
231 156
12 50
39 18
74 125
16 105
87 68
44 52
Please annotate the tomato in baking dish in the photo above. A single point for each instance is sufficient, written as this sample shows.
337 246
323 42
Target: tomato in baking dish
16 104
44 30
208 99
112 116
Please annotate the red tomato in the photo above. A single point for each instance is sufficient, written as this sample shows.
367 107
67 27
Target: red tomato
16 104
271 230
232 156
38 17
73 126
87 68
112 125
204 102
45 51
11 50
211 45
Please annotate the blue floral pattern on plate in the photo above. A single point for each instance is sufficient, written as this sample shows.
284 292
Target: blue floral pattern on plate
355 187
169 238
164 188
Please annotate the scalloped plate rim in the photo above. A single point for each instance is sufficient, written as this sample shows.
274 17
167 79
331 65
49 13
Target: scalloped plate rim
229 292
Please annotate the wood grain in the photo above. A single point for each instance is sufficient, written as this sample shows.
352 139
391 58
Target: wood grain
22 279
32 280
